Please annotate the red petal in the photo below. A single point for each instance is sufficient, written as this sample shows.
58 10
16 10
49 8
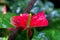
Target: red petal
15 21
39 20
24 20
20 21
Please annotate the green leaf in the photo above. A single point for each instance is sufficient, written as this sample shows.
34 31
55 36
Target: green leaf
50 34
21 35
4 32
5 20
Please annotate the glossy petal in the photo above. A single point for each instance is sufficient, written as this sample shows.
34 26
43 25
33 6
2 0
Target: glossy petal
20 21
39 20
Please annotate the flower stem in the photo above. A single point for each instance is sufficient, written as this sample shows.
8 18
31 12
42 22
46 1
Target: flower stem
27 35
35 31
29 6
12 35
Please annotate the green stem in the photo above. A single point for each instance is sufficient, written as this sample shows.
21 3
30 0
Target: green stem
35 32
27 35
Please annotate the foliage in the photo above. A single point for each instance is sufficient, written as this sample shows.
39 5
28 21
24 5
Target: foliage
51 32
5 20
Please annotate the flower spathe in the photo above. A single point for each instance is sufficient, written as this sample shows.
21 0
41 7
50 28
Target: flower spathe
37 20
20 21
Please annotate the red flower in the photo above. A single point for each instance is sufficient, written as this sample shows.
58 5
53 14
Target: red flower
37 20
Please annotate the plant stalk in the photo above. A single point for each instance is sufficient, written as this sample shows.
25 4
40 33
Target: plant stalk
29 6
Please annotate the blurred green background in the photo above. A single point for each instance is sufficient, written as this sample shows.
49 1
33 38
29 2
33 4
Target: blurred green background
15 7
